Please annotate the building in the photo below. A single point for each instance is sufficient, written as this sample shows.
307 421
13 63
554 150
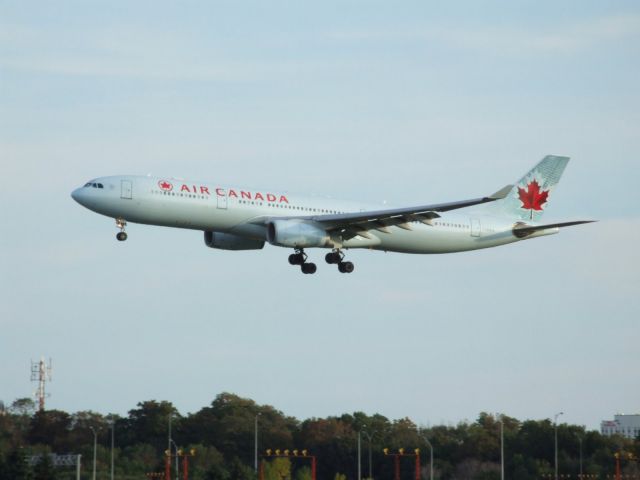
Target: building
625 425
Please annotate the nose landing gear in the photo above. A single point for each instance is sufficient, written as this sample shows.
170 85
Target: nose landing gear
300 258
121 224
336 257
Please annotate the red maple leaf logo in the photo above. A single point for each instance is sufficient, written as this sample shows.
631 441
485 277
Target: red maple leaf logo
533 198
164 185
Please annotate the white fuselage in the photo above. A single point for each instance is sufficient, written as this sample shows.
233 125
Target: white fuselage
211 207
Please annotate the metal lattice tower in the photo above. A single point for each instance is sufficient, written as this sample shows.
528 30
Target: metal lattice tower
41 373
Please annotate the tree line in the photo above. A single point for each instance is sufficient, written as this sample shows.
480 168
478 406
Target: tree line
222 435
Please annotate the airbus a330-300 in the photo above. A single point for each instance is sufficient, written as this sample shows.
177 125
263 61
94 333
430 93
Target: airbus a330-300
236 218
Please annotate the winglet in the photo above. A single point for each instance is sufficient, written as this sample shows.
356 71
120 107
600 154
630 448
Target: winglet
500 194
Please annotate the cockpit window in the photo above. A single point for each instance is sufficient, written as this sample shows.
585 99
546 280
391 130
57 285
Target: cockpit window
87 184
100 185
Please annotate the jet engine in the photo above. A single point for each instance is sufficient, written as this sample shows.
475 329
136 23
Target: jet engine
229 241
297 234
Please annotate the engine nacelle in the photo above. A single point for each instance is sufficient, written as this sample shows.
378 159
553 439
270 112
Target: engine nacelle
297 234
229 241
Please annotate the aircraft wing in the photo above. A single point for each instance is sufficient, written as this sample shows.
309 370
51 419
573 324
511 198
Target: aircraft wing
359 223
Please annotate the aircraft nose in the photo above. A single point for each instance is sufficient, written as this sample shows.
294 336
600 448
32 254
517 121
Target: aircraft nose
76 195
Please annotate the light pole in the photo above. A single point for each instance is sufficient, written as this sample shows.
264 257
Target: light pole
95 447
369 438
255 443
501 420
169 435
430 455
555 428
113 426
359 459
177 459
580 442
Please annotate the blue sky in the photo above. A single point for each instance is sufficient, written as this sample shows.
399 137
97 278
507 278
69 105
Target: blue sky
408 104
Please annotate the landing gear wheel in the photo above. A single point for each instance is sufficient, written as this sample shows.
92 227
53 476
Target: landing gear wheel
121 236
333 257
308 268
296 258
345 267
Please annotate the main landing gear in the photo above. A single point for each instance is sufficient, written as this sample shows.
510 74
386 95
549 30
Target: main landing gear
300 258
337 257
121 224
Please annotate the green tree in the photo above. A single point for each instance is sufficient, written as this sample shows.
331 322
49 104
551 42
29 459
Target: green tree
208 462
23 407
331 439
303 473
14 424
229 425
278 469
216 472
44 469
149 424
51 427
240 471
140 458
15 466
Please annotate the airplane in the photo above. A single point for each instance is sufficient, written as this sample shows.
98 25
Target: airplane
236 218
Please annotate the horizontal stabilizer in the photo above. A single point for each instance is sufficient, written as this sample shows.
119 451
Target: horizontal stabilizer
522 230
500 194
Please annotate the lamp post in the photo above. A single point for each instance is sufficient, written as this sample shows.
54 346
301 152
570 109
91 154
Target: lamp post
169 434
255 443
501 420
113 426
359 459
580 444
177 459
368 435
424 437
95 447
555 428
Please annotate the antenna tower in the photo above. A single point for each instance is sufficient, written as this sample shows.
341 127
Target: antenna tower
41 373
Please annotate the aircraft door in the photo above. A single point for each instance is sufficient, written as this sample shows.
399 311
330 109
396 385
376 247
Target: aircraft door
475 227
126 191
222 201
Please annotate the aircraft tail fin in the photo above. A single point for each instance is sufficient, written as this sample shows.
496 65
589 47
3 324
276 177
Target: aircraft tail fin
530 196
